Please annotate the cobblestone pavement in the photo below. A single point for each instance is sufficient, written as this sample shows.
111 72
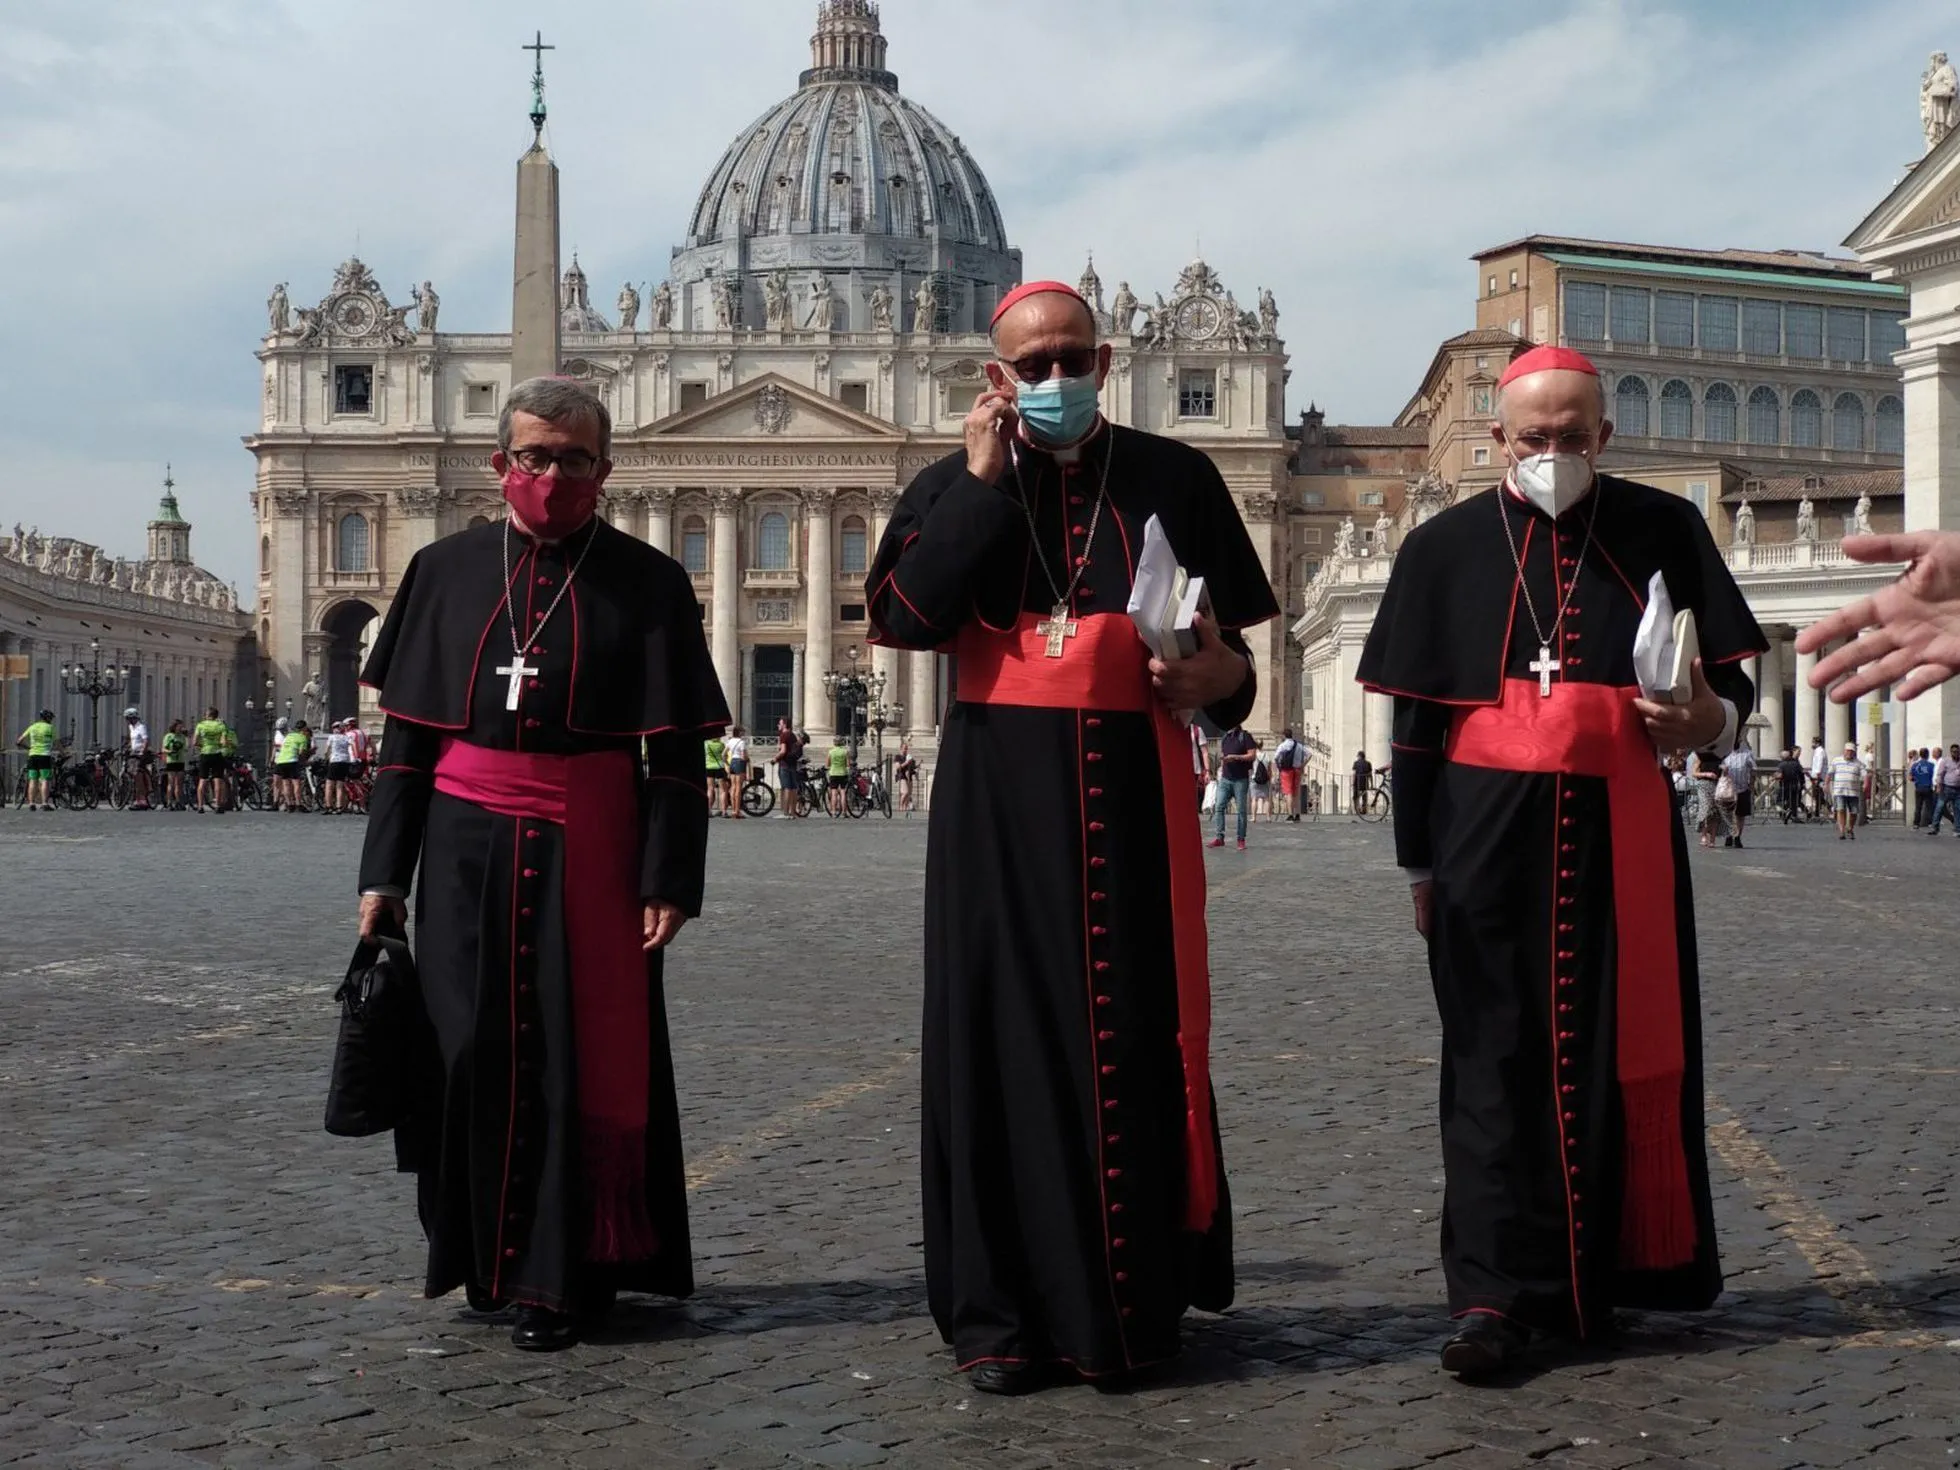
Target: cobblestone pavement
192 1273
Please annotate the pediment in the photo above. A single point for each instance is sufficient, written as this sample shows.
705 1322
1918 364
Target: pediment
772 407
1925 200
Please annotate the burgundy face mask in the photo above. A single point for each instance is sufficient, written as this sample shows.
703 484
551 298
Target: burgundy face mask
551 506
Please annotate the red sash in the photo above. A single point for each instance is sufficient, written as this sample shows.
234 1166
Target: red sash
1105 666
593 798
1594 730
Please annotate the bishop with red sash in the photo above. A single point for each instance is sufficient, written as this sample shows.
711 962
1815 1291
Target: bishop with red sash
1550 874
1075 1199
547 687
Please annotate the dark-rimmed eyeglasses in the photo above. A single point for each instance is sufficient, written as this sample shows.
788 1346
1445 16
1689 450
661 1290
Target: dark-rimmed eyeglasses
1572 441
1039 367
574 464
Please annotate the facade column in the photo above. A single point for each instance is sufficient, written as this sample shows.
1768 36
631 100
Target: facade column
1769 695
883 660
796 710
418 507
921 702
660 518
1807 727
1931 371
1379 715
725 643
744 713
1838 721
818 608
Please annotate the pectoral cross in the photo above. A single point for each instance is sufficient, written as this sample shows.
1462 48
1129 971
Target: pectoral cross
1058 627
1544 669
517 671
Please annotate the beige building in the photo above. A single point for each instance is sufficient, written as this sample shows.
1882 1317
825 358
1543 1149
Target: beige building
817 340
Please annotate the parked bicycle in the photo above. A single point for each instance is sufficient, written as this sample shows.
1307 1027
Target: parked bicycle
758 796
1374 803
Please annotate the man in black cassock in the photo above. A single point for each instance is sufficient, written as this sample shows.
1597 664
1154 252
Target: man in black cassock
1075 1199
547 687
1549 872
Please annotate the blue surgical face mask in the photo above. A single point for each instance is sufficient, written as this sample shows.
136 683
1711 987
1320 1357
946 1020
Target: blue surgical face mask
1057 411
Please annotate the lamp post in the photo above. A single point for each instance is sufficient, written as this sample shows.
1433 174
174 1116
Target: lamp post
855 692
94 683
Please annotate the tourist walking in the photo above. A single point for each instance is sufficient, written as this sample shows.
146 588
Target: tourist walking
38 740
1236 753
1789 784
556 848
1946 791
1739 766
1923 798
735 750
1075 1202
1820 771
1847 791
1286 765
1549 875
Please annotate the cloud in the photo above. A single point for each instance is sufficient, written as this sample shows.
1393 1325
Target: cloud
161 167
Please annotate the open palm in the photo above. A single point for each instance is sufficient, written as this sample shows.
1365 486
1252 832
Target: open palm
1910 631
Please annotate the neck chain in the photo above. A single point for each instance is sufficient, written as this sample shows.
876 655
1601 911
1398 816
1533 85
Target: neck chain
1062 594
1547 665
510 600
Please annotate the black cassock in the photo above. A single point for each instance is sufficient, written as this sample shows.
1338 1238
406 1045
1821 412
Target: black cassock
1523 952
620 666
1054 1090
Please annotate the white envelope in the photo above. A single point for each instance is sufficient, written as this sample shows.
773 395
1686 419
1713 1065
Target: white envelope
1665 647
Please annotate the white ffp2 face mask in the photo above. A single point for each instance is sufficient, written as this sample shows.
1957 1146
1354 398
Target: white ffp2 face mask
1553 482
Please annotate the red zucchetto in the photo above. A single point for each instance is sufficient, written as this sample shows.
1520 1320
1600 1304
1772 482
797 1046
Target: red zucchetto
1033 288
1548 359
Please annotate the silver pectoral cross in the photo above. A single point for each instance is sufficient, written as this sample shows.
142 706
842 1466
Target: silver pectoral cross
517 671
1058 627
1544 669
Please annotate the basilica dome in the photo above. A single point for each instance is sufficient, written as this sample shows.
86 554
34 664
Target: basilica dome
848 180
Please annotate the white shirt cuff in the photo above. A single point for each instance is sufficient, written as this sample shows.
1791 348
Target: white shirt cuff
384 890
1419 875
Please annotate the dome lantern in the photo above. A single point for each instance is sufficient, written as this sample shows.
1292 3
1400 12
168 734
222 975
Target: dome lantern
848 46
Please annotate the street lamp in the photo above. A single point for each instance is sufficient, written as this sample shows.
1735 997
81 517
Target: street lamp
263 713
856 693
95 684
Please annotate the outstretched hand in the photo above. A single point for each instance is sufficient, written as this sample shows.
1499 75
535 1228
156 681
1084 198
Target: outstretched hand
1910 631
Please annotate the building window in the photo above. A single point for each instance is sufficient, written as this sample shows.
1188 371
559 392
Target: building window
772 542
1847 334
1718 414
1762 328
1806 420
1765 417
1803 330
1674 319
1310 536
480 400
853 547
1312 497
1372 497
855 395
1698 495
1677 410
1490 287
851 612
352 544
1631 307
1514 280
1480 401
1585 312
353 389
1480 455
1888 335
694 545
1197 394
1891 424
1630 399
960 401
265 554
1718 329
693 395
1848 423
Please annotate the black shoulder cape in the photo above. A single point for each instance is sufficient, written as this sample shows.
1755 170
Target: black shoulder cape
1443 630
639 662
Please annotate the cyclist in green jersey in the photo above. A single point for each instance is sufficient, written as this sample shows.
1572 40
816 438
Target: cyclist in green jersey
209 737
288 794
175 743
717 754
38 740
840 774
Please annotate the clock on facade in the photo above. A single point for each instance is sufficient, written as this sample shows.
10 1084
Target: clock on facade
1198 318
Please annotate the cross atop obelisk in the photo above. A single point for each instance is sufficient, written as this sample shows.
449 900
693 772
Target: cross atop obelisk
534 322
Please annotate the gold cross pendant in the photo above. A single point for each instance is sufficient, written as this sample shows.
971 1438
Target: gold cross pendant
1059 626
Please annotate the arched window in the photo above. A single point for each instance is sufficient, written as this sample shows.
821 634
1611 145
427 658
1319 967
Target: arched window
265 553
772 542
1718 414
1677 410
694 545
1848 422
476 521
853 547
1765 417
352 543
1890 421
1806 420
1630 407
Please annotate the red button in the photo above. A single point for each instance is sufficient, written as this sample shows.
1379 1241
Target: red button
1102 1000
1105 1036
1574 1171
1114 1139
1127 1312
1567 1088
1568 847
1095 791
1097 897
1082 561
544 581
1075 500
510 1253
1098 862
530 724
1109 1071
1122 1275
1567 873
1113 1173
1565 928
1078 531
1096 827
1093 756
1093 722
531 832
1565 1010
1576 662
1085 594
1118 1243
1099 931
1568 821
527 913
1570 1116
1115 1209
530 872
525 949
1110 1106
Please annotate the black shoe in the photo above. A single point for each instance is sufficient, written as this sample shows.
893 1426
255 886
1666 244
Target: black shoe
1484 1346
481 1301
1008 1379
540 1331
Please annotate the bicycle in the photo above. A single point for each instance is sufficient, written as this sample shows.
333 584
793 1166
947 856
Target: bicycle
1375 800
758 796
867 793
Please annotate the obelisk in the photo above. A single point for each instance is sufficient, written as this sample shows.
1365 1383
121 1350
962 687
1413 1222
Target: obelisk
534 325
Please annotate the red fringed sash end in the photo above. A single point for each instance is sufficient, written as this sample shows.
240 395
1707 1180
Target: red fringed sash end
616 1187
1657 1220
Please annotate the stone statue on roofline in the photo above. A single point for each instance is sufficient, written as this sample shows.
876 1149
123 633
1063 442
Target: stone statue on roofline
1939 100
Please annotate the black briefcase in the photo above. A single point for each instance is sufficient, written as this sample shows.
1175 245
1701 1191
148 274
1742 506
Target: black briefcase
378 1058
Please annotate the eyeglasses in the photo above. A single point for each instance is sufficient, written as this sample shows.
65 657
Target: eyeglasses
1572 441
574 464
1039 367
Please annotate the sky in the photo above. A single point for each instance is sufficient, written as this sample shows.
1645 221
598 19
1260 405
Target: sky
161 166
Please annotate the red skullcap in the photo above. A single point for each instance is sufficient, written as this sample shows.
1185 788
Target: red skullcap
1548 359
1033 288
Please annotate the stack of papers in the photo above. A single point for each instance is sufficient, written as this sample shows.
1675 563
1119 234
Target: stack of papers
1665 647
1165 600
